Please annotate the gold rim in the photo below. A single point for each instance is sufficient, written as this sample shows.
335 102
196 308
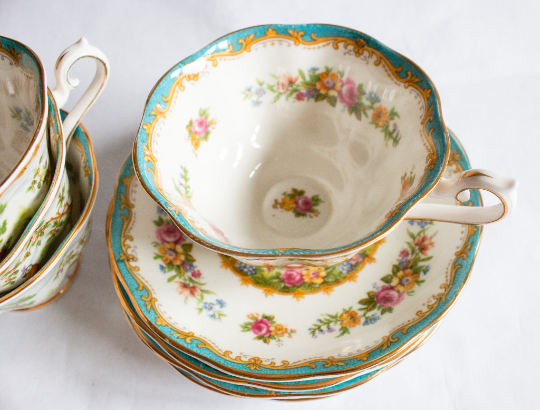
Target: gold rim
82 219
58 294
386 343
428 113
39 128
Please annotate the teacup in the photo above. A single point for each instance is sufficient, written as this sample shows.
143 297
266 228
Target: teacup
25 170
25 259
289 144
62 262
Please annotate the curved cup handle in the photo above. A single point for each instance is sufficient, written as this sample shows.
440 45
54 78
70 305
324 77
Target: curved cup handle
503 187
65 83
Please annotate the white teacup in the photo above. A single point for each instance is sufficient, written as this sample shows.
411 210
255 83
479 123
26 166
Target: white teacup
26 165
25 258
301 144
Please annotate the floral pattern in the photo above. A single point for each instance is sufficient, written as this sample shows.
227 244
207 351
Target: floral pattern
174 254
406 273
301 281
44 235
24 116
40 175
200 128
265 328
297 202
334 88
182 186
407 181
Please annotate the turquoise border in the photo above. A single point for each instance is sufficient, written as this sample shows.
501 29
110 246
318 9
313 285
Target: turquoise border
164 86
463 266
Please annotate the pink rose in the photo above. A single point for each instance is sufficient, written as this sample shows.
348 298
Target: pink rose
200 126
261 327
168 233
404 253
348 93
388 296
292 277
196 274
300 96
303 203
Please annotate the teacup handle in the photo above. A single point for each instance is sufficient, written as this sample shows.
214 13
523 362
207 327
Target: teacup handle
505 188
65 83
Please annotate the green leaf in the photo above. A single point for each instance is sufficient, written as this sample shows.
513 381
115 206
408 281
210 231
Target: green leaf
171 278
187 247
426 259
319 97
365 301
302 75
412 235
387 278
332 100
395 269
3 227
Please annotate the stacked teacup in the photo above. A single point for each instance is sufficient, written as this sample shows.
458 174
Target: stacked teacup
295 217
48 174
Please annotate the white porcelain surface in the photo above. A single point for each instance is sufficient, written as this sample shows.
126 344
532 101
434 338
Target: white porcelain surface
25 169
192 290
63 261
48 223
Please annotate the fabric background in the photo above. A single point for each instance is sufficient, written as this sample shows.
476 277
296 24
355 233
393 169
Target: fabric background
484 58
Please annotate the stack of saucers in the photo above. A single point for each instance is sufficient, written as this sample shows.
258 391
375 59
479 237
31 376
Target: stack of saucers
48 175
266 236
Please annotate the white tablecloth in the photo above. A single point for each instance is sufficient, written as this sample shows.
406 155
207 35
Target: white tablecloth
483 56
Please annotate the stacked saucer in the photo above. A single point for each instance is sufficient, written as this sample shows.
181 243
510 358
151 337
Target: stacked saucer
295 217
224 324
48 178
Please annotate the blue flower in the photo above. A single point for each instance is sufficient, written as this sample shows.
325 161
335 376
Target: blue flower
346 267
247 269
260 92
249 88
311 92
313 69
213 316
208 306
221 303
371 320
411 222
18 110
375 286
427 269
373 98
330 330
256 103
162 269
321 331
423 224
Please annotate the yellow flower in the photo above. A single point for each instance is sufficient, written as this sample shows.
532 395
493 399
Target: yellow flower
405 280
349 319
278 330
287 203
330 83
380 116
314 275
171 253
195 141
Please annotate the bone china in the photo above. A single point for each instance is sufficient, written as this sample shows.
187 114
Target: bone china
303 144
59 269
25 169
288 324
24 260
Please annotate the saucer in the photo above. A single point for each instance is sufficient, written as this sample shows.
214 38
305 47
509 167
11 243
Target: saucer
200 369
188 295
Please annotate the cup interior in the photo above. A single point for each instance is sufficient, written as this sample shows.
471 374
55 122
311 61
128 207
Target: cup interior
308 145
20 102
